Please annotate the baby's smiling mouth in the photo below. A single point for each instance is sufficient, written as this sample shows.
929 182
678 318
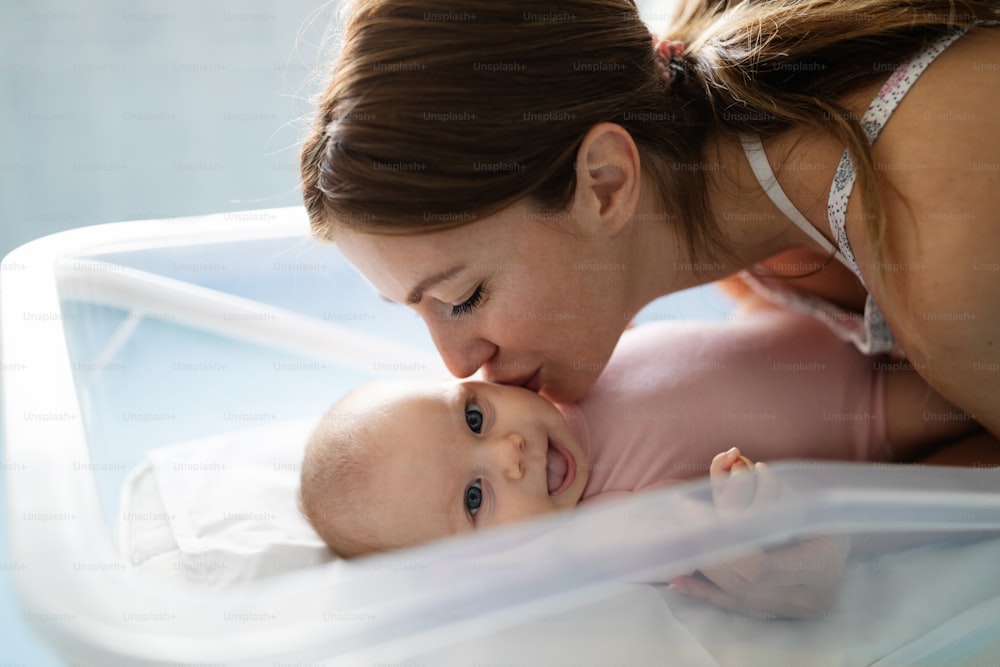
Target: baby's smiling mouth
560 468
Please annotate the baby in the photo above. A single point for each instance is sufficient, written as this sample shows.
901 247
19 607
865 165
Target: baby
396 464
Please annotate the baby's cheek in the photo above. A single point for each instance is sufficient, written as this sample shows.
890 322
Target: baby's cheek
521 509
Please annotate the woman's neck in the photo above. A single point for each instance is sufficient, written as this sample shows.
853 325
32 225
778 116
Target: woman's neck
750 226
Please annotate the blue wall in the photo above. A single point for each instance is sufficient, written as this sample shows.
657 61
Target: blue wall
129 109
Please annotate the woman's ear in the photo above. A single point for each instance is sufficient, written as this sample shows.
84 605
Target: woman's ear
608 180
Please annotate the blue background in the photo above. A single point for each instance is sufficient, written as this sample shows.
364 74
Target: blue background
134 109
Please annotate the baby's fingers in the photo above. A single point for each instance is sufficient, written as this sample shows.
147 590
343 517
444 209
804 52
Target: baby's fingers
767 487
703 590
761 602
736 574
735 490
723 463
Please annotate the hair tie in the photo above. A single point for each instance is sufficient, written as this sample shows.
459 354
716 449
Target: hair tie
668 49
670 57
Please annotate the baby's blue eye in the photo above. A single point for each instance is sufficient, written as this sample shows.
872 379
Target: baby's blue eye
474 418
474 497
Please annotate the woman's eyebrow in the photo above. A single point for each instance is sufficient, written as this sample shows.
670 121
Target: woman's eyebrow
417 293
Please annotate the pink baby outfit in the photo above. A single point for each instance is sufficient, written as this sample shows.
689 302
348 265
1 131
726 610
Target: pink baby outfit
778 385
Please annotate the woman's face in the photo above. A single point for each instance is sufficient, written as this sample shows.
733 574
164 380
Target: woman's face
526 296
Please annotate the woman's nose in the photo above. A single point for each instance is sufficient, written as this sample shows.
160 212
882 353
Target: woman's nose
461 352
507 455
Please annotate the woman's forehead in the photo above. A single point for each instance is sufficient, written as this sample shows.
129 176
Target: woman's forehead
510 224
401 267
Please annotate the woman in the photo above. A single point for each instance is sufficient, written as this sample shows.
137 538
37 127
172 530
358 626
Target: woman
527 180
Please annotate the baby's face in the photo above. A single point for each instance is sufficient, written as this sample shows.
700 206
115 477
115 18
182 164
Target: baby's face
456 457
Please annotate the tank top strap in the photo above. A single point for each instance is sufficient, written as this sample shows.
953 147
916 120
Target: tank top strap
757 158
877 115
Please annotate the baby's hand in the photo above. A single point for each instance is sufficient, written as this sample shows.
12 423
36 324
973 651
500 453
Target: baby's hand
728 463
731 489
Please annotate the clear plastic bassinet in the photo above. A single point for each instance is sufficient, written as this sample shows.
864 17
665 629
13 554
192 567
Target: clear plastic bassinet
120 341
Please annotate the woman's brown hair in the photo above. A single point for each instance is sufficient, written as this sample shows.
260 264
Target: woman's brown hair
440 112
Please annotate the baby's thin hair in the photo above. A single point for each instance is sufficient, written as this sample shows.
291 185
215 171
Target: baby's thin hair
335 477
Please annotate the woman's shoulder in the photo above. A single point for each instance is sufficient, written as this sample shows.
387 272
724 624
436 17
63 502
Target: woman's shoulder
937 158
937 162
950 114
956 96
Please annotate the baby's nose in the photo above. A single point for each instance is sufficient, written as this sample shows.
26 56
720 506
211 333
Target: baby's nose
508 456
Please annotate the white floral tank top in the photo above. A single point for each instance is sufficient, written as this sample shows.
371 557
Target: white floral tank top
868 332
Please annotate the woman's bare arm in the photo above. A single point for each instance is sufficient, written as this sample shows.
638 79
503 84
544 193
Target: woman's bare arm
938 279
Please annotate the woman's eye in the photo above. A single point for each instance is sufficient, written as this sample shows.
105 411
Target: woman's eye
474 418
474 497
469 304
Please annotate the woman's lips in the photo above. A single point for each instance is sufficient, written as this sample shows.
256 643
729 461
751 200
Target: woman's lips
560 468
534 383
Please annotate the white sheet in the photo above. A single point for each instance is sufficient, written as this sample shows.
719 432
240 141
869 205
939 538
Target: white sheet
221 509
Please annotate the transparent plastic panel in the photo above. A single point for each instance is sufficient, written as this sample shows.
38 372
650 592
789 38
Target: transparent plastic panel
148 375
177 337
